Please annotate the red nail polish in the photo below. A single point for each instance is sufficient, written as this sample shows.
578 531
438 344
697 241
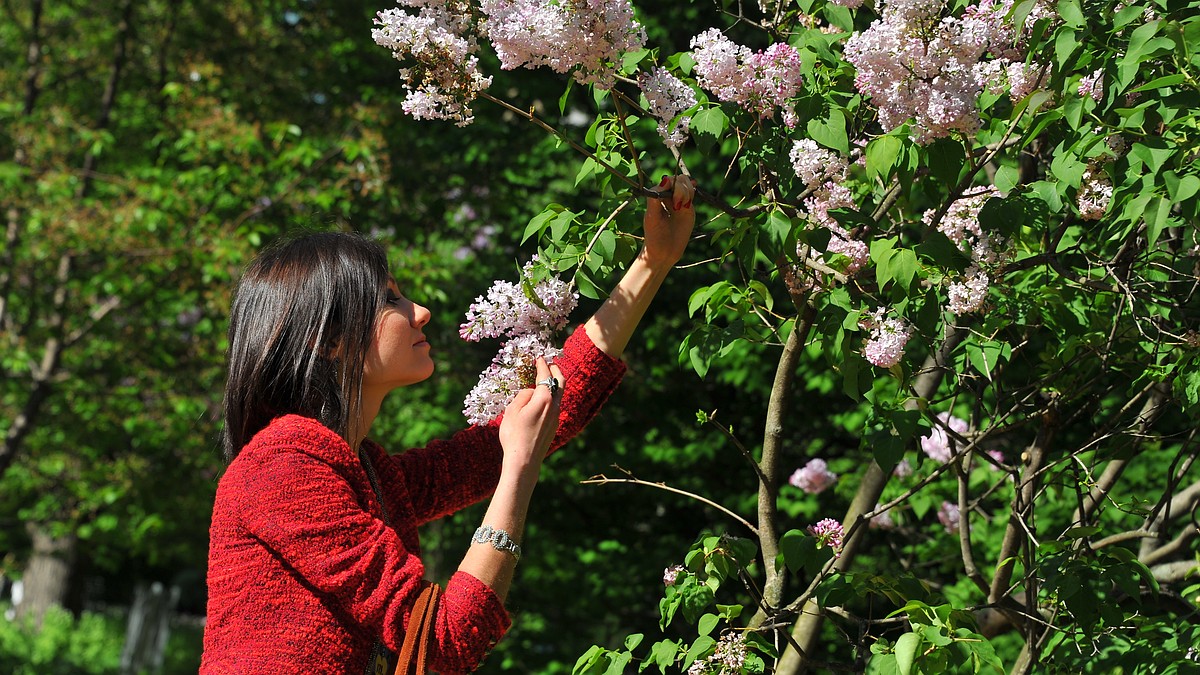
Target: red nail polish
664 182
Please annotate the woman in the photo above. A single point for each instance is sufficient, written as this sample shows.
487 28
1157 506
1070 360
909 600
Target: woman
314 557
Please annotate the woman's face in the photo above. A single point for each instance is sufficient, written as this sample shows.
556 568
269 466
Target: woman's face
399 353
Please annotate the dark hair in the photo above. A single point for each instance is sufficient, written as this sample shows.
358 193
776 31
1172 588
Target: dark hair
299 329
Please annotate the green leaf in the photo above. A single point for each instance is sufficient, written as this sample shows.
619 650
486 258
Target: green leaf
778 228
1187 187
946 160
632 641
906 652
710 122
1157 218
617 665
831 131
1160 82
699 648
1007 178
707 623
1071 13
881 155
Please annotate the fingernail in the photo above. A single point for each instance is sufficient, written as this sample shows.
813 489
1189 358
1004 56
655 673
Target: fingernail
664 181
688 205
678 205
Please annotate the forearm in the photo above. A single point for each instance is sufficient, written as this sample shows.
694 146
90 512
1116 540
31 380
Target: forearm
611 327
506 511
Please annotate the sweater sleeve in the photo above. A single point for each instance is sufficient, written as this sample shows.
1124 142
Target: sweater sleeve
307 512
448 475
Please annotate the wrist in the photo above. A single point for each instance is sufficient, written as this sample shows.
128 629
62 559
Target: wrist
657 266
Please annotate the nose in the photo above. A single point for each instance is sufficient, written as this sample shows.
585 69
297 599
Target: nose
421 315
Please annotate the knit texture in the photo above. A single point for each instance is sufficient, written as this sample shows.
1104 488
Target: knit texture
303 574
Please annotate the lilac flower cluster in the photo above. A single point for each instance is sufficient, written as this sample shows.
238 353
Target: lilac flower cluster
444 76
728 658
814 164
938 444
814 477
439 40
917 63
961 225
1093 85
527 314
827 197
761 82
829 533
1095 193
668 96
885 346
949 516
584 36
671 574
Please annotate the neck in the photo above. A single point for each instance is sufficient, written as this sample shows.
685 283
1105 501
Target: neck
366 416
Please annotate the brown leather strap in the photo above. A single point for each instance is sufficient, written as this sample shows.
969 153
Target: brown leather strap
419 633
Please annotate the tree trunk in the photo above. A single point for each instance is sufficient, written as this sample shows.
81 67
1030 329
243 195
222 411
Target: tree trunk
48 575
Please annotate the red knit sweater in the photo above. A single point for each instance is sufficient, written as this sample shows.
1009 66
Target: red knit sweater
303 575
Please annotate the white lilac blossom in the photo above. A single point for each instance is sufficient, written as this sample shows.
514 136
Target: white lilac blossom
849 4
937 444
1095 193
512 369
814 477
826 198
667 97
671 574
510 311
949 516
968 295
584 37
885 346
882 521
761 82
828 533
814 164
1092 85
442 76
918 64
728 658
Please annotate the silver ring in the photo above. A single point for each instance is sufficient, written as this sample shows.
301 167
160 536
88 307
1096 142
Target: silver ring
551 384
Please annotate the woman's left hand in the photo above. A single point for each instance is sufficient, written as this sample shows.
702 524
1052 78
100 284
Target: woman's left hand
669 221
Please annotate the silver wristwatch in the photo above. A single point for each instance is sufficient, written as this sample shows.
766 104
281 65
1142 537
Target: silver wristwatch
499 539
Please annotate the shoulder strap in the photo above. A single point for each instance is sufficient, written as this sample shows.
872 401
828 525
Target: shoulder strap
420 631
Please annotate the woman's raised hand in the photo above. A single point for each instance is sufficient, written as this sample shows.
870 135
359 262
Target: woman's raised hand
669 221
530 421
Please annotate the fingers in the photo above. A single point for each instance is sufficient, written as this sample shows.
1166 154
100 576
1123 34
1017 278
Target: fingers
677 192
684 192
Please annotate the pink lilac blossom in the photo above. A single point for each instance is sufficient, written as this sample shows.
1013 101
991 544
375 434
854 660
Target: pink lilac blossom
849 4
584 37
728 658
667 97
938 443
671 574
968 295
1093 85
444 77
828 533
949 516
1094 195
919 65
814 477
885 346
761 82
815 165
903 469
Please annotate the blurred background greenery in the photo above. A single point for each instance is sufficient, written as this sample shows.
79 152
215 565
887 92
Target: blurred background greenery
148 148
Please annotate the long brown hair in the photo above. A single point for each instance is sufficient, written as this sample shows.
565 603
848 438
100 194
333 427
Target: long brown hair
299 329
